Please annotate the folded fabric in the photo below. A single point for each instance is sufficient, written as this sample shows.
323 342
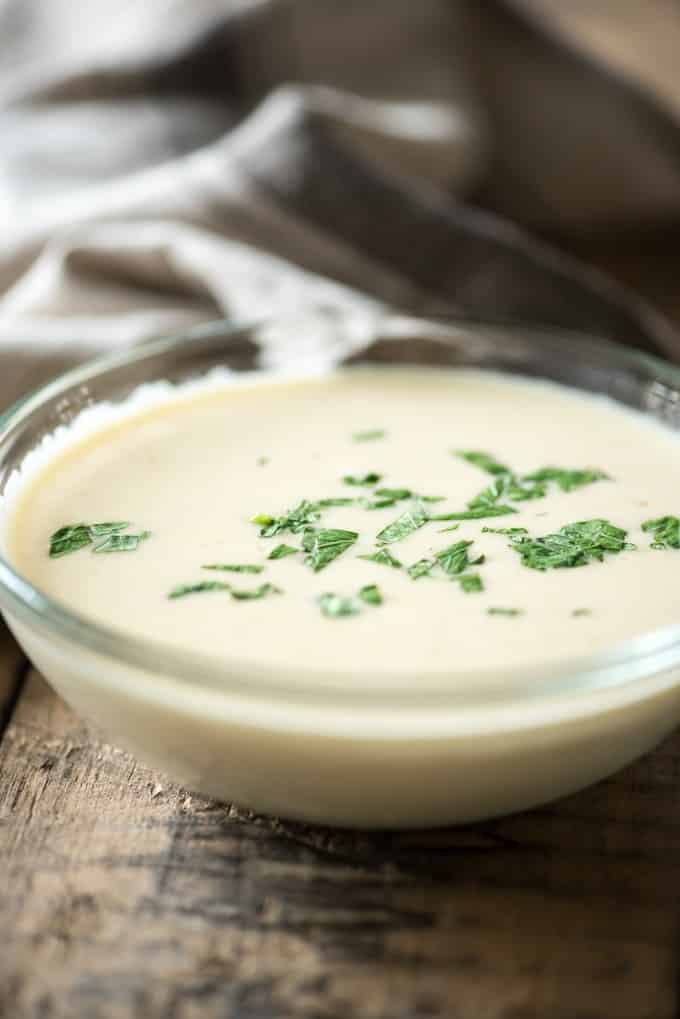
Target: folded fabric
175 161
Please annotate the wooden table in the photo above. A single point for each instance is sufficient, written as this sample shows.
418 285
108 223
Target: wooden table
124 896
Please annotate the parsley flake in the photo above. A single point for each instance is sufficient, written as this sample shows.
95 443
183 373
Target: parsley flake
325 545
384 557
369 435
104 537
233 568
666 532
409 522
365 479
281 551
371 595
335 606
422 568
573 545
201 586
470 583
258 592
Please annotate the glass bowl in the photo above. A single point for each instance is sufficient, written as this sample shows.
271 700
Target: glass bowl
407 752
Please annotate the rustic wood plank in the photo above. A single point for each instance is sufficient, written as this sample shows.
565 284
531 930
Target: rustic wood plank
12 671
122 895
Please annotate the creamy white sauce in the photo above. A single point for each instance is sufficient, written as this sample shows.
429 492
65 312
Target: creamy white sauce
186 465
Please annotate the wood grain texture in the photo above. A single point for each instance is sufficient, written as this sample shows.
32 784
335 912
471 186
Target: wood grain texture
13 667
123 896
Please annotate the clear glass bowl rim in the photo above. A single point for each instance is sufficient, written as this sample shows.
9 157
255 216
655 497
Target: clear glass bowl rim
630 661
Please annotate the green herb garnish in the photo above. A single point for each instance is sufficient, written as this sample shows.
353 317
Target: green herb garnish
203 586
504 530
504 612
69 539
567 480
370 594
334 606
121 542
234 568
262 461
395 494
365 479
298 519
403 526
455 558
112 527
573 545
470 583
369 435
386 497
581 612
325 545
258 592
384 557
519 488
479 513
666 531
199 587
303 515
482 460
76 536
281 551
341 500
422 568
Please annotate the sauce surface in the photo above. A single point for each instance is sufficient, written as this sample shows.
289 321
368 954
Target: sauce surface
196 470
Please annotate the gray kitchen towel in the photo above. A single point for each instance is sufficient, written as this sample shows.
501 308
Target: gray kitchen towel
166 162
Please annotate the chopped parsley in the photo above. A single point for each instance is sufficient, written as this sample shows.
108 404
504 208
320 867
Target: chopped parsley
386 497
567 480
121 542
233 568
370 594
104 537
365 479
259 592
342 500
203 586
262 461
482 460
384 557
470 583
573 545
507 485
97 530
325 545
422 568
281 551
666 532
335 605
581 612
504 612
369 435
504 530
476 513
300 518
408 523
455 558
303 515
453 561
